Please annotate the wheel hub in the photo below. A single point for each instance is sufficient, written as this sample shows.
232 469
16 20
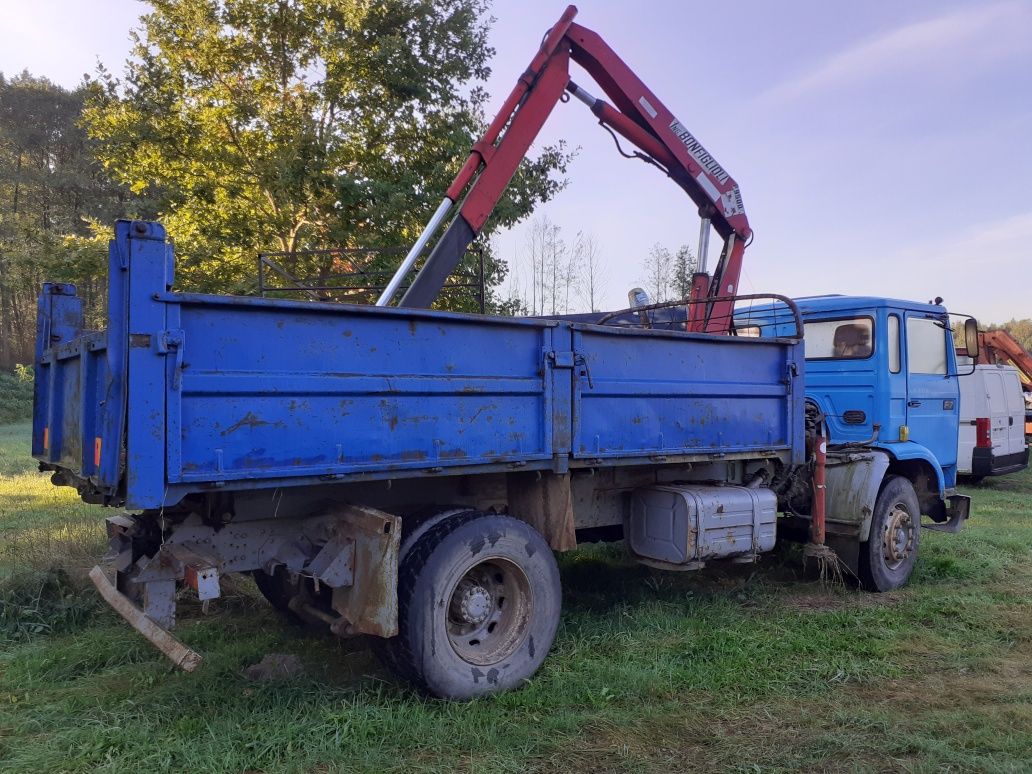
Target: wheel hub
472 603
898 537
489 611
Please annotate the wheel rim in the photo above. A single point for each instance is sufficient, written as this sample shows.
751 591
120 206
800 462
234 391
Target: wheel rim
898 538
489 611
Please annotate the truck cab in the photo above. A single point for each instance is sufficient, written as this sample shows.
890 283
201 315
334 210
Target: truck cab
882 391
883 372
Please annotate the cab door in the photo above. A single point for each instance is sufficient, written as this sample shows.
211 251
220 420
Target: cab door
933 410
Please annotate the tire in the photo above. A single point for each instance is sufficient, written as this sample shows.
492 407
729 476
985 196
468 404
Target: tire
279 589
888 557
478 607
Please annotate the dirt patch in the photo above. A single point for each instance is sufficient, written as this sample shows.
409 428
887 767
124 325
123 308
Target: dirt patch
829 601
275 667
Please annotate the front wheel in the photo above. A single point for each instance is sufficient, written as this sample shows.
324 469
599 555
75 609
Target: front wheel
887 558
479 600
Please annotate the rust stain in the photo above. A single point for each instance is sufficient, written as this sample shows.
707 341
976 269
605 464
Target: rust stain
248 420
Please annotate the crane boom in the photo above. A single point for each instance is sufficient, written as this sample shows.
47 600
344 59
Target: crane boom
635 114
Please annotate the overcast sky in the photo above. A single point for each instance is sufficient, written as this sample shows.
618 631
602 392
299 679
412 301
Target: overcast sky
881 147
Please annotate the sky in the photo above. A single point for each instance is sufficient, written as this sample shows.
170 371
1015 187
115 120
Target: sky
882 148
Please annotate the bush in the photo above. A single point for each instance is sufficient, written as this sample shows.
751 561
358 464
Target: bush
16 395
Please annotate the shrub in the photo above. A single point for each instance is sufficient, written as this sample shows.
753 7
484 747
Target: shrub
16 394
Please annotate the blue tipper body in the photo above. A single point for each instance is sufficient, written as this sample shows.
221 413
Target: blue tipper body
187 393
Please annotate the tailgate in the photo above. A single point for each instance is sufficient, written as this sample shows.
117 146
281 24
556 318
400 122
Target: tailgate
80 393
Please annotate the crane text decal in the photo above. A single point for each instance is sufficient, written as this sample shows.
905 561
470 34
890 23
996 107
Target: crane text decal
700 154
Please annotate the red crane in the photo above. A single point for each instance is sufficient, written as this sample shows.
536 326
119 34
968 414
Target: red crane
635 114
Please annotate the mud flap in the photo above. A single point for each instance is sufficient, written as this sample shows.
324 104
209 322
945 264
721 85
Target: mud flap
957 512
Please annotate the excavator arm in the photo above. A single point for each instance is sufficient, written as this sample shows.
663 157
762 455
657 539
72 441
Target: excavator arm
637 115
1000 347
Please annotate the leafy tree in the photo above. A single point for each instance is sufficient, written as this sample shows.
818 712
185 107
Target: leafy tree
685 265
51 191
301 124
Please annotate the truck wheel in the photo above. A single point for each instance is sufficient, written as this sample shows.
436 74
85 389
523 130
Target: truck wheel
278 589
478 606
889 555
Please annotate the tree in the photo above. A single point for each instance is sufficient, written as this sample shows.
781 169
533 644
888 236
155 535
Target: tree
51 192
659 274
300 124
685 265
591 284
551 265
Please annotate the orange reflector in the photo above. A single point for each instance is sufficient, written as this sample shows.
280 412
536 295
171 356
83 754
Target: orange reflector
96 451
46 437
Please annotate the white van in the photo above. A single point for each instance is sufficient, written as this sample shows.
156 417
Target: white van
992 423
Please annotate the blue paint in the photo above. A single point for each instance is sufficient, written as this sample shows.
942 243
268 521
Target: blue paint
215 392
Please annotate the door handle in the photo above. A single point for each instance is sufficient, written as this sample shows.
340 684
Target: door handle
914 403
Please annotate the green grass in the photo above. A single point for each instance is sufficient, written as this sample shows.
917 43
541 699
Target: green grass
738 669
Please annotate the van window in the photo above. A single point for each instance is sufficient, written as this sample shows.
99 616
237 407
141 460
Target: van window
894 344
849 339
926 346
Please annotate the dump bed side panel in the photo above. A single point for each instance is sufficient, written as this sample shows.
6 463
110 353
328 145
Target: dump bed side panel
645 393
272 389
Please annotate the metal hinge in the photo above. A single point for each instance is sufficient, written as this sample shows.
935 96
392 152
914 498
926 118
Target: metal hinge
172 341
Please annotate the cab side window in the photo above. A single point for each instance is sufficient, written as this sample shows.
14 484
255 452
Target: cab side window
926 346
849 339
893 330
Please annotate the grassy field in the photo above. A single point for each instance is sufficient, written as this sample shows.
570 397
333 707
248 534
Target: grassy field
750 669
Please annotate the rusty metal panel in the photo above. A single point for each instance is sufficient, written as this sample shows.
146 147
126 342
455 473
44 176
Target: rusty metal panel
544 500
370 603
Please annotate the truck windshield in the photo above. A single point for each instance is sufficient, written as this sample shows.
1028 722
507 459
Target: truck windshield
846 339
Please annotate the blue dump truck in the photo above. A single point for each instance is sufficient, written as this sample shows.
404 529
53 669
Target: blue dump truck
408 474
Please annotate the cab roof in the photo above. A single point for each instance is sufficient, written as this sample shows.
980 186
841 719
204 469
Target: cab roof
839 303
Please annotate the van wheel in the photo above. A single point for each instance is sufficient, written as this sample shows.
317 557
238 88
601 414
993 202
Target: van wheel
887 558
478 606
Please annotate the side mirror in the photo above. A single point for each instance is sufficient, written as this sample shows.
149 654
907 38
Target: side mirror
971 338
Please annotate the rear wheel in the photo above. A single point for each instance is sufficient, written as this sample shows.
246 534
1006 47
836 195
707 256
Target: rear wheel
281 586
479 600
888 557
